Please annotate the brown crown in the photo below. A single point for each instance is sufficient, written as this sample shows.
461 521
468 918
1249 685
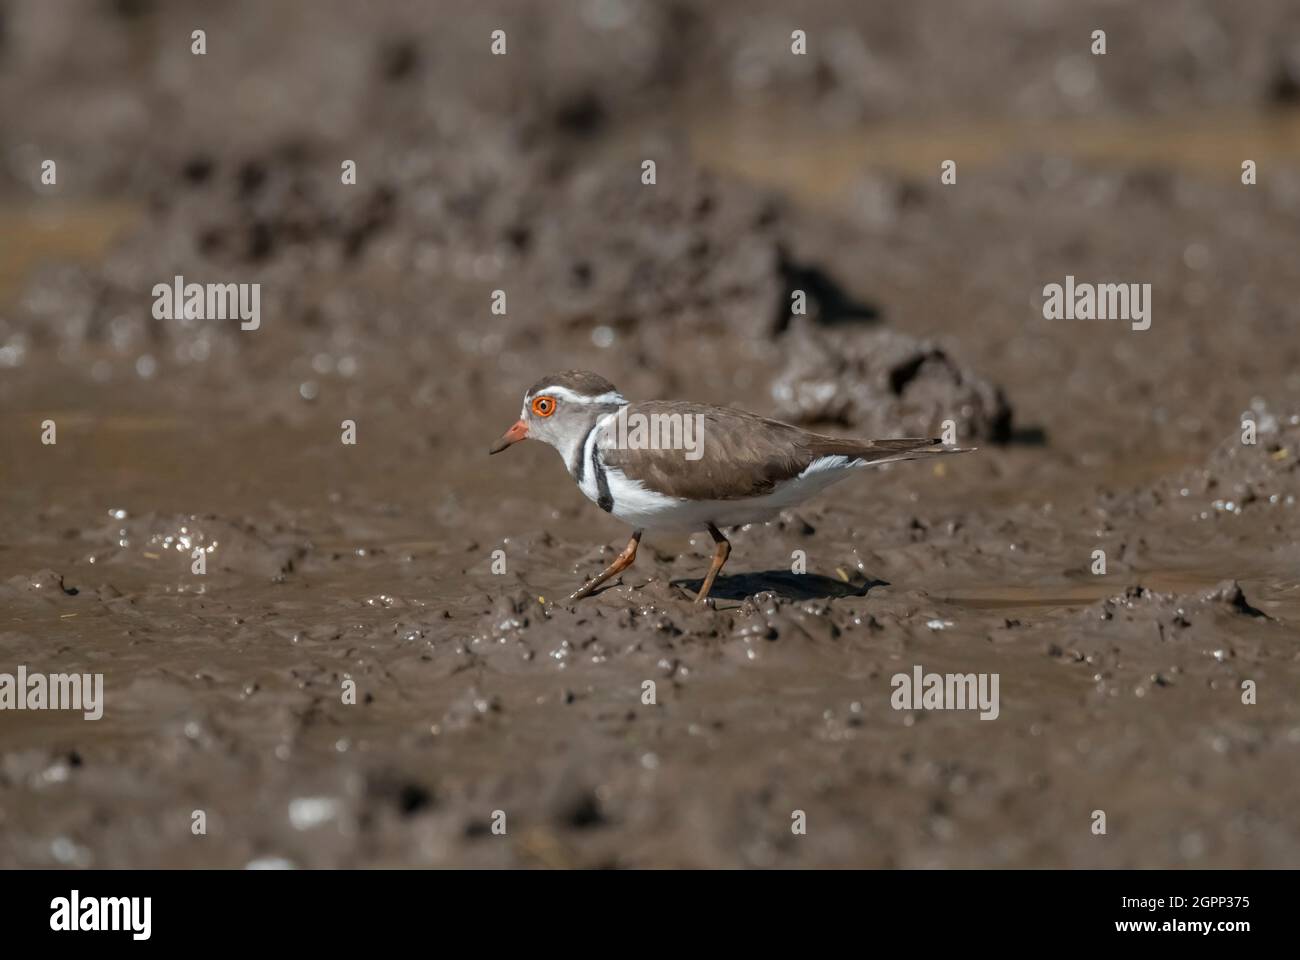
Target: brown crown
579 381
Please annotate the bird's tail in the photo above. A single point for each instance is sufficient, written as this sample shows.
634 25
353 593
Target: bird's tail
907 448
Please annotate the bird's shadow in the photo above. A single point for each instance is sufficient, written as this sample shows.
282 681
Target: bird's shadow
791 586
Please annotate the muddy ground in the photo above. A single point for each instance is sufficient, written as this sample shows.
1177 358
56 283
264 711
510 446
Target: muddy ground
479 691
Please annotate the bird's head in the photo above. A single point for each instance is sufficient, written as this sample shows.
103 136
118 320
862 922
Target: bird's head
560 409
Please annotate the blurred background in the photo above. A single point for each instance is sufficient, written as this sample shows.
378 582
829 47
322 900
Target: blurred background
522 173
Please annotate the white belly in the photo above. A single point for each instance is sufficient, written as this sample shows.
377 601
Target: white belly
645 509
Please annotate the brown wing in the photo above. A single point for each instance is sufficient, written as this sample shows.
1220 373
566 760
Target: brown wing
742 455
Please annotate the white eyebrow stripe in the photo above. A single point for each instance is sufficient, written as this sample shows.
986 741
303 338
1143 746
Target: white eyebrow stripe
564 393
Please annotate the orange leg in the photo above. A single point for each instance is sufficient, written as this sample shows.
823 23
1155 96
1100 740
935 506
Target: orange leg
621 563
719 558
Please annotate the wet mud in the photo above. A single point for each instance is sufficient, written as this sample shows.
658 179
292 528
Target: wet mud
431 580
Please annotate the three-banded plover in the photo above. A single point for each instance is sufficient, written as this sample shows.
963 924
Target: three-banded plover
673 465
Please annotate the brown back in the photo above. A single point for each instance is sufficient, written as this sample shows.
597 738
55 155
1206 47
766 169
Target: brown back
744 455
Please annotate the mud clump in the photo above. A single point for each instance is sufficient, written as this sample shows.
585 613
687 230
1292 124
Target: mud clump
43 583
1264 471
884 383
1242 479
1224 599
1229 594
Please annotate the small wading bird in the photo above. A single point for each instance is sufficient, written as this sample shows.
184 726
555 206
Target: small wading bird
720 467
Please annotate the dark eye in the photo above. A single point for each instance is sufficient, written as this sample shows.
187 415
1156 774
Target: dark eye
544 406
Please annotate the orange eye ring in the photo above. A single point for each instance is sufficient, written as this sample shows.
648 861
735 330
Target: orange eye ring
543 406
